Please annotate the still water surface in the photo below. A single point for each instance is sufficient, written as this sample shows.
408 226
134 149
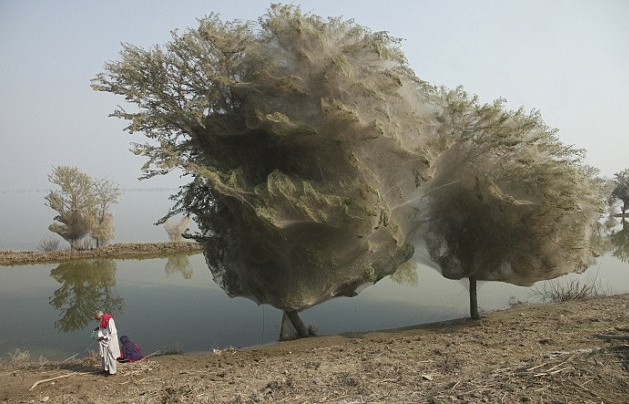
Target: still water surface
173 304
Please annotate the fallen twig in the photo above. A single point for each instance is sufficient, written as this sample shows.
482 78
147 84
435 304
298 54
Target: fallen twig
584 388
8 373
558 365
561 370
70 357
455 384
153 354
612 337
538 366
61 377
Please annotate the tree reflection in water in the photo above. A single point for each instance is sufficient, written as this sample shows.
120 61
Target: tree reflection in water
179 263
620 242
86 286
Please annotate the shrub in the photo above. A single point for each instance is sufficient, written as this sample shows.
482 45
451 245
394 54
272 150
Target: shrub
49 244
557 292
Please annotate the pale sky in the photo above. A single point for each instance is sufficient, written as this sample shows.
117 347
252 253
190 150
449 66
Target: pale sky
568 59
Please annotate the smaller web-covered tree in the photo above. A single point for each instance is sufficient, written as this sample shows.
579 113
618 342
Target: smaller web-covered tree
82 205
509 202
107 194
74 204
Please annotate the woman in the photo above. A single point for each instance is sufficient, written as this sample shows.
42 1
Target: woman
108 346
131 352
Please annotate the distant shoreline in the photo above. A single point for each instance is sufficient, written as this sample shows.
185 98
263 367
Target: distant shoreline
120 251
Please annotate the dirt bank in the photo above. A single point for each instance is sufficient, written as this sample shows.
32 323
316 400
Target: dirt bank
555 353
122 250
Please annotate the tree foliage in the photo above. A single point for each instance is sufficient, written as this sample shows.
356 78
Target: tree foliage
289 187
82 205
319 161
74 203
509 201
106 194
621 188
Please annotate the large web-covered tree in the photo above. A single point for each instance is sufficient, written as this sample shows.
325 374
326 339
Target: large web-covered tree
314 151
300 138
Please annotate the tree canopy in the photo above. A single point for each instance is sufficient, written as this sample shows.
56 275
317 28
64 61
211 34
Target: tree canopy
508 201
621 188
320 162
82 205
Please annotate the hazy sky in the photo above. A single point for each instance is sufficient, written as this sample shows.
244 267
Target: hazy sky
569 59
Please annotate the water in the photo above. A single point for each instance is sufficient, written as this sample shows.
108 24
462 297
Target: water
173 304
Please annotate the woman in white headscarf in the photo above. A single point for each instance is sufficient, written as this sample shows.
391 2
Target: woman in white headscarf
108 346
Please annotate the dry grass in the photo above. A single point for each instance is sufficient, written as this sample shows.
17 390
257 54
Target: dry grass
49 244
576 289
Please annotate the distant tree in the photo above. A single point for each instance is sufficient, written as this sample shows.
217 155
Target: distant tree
176 229
406 274
74 203
106 193
621 190
82 205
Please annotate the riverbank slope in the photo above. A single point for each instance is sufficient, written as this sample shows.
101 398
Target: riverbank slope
570 352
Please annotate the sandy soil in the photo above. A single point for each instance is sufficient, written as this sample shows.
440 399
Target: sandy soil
574 352
121 250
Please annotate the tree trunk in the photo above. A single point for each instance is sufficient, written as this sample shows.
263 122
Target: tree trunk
300 327
287 330
473 299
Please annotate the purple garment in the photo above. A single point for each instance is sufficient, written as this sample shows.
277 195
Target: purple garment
130 350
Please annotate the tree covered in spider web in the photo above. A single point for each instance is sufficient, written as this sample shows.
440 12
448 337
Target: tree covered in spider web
301 137
508 201
316 155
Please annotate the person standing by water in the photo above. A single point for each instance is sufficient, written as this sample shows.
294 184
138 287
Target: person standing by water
108 346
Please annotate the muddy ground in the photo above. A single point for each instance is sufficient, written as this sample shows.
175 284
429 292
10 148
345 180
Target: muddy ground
574 352
120 250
